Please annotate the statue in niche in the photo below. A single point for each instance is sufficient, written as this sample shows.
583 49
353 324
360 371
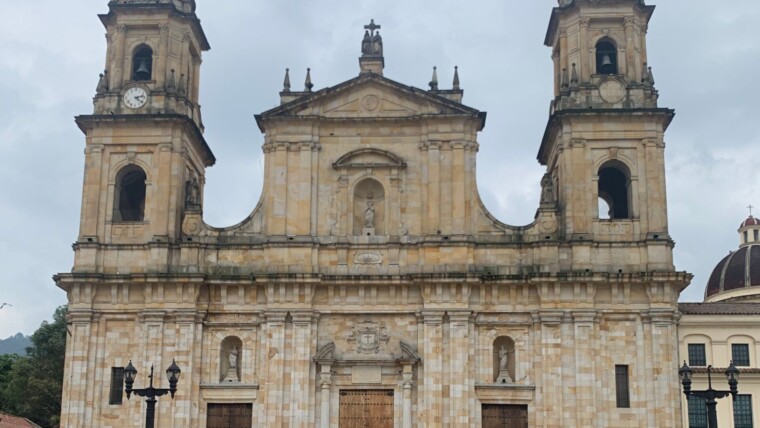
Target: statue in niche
547 189
504 376
369 215
192 193
230 361
234 358
503 358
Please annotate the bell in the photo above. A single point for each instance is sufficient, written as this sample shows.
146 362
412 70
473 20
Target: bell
142 72
606 61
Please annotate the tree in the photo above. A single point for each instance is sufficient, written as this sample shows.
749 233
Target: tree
32 387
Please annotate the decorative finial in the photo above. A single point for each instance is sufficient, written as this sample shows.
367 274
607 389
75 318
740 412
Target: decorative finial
286 83
563 79
434 82
308 85
456 78
372 44
644 74
182 89
574 76
171 84
102 87
650 76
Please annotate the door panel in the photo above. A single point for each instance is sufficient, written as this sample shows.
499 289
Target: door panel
366 409
229 416
505 416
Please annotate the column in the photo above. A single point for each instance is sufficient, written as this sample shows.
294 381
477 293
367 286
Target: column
300 385
585 367
163 56
118 76
551 356
299 215
431 416
406 382
325 383
630 48
586 55
275 322
279 189
76 368
434 187
92 191
459 391
458 188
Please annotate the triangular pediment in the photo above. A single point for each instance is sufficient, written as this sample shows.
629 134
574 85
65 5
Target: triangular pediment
369 96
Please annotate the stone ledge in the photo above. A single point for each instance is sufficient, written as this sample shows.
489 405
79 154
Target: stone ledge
505 393
229 392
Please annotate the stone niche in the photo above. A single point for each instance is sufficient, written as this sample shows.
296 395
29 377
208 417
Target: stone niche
369 208
230 356
506 344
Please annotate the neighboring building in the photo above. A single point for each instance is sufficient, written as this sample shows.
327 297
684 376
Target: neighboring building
10 421
370 286
727 328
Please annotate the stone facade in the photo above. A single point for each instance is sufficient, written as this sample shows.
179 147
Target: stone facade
370 263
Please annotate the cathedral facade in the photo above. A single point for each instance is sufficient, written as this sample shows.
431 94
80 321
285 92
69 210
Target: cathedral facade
370 286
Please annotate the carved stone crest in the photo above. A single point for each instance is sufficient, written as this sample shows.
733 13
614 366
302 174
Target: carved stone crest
368 337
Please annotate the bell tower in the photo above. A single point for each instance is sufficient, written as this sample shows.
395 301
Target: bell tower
604 142
145 154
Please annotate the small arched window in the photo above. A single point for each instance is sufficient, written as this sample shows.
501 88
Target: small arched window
606 57
614 191
129 197
142 63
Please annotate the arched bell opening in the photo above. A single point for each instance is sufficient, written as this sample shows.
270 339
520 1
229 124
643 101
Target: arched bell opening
129 197
606 57
614 191
142 63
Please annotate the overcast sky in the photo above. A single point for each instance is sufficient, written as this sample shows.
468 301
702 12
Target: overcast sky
705 54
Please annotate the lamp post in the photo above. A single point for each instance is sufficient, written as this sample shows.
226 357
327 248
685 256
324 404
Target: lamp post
150 393
710 395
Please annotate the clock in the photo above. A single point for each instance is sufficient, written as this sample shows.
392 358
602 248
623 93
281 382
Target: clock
135 97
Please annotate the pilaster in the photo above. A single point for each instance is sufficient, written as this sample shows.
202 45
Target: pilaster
275 352
432 358
459 362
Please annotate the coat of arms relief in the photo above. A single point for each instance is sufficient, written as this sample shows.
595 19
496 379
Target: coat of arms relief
368 337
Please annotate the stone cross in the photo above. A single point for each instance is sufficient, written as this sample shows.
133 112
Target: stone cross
372 27
750 210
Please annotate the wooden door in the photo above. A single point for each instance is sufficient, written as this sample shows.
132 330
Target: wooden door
230 416
366 409
505 416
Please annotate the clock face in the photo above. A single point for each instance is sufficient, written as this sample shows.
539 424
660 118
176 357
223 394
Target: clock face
135 97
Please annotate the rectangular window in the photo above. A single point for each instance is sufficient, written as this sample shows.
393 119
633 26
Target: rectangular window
697 354
740 354
697 412
743 411
621 387
757 235
117 385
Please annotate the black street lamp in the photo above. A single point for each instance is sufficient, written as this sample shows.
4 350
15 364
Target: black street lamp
710 395
150 393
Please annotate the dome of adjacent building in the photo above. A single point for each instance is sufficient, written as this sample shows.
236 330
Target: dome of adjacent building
737 276
750 221
738 270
